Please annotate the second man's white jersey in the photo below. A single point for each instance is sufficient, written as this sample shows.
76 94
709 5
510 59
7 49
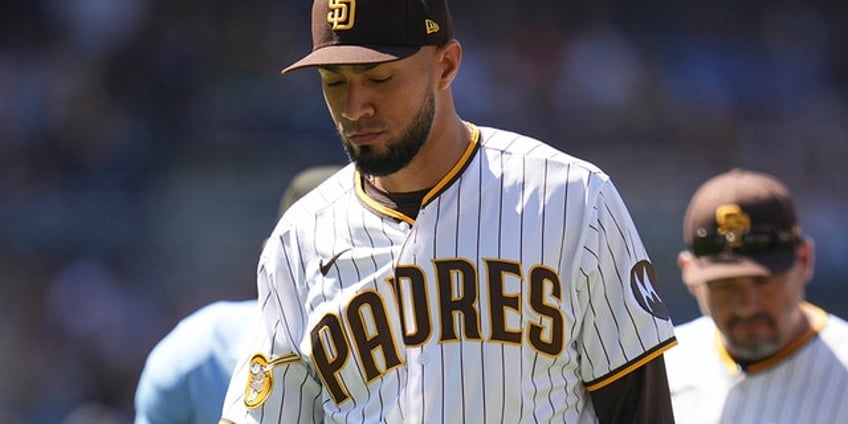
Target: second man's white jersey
804 383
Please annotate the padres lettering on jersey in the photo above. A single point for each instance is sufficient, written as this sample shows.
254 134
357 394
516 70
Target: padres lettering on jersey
364 329
521 282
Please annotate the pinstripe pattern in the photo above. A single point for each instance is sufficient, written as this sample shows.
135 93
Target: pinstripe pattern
809 384
509 292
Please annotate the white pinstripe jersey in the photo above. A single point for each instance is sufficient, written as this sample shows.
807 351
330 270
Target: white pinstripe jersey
802 384
521 283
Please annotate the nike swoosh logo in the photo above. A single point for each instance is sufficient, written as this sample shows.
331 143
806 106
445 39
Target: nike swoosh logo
325 267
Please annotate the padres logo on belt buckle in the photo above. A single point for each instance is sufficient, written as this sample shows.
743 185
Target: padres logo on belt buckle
260 380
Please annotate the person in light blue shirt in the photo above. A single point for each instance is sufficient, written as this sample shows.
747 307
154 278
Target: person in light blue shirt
185 376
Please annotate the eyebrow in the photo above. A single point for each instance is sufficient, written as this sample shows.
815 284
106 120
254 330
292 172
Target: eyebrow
358 68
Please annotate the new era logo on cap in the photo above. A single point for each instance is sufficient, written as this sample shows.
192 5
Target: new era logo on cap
348 32
432 26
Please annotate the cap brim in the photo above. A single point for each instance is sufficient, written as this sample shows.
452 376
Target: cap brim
352 55
704 269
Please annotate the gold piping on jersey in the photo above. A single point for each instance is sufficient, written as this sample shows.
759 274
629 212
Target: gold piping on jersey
818 320
457 169
375 205
650 356
260 380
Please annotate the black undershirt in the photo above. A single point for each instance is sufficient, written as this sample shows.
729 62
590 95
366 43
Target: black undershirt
640 397
406 203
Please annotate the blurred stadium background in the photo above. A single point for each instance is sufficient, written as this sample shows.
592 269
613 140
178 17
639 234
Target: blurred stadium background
144 146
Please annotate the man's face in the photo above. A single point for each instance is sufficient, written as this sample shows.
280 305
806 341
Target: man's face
756 315
383 112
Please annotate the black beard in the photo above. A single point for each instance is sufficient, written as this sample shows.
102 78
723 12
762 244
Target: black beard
399 152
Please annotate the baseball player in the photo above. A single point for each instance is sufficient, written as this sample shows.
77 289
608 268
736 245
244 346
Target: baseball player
451 272
760 353
185 377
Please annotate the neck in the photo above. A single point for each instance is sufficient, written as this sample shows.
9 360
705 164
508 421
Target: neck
442 150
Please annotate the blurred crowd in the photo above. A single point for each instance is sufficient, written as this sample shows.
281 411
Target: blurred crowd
144 145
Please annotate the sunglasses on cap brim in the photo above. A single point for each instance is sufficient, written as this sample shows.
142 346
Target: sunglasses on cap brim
752 242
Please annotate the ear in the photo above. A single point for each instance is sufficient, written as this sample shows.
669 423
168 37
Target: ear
450 56
685 259
698 291
807 258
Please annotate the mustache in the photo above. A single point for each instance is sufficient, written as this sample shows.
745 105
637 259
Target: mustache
761 318
349 129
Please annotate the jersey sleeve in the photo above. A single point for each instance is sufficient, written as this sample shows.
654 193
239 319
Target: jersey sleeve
271 384
625 322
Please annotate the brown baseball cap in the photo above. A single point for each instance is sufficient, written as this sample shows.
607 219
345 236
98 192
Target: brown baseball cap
740 223
348 32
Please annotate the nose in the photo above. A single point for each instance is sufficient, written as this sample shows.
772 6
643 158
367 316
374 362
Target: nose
747 299
358 103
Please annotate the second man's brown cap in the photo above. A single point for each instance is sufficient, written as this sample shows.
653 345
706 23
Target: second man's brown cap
740 223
